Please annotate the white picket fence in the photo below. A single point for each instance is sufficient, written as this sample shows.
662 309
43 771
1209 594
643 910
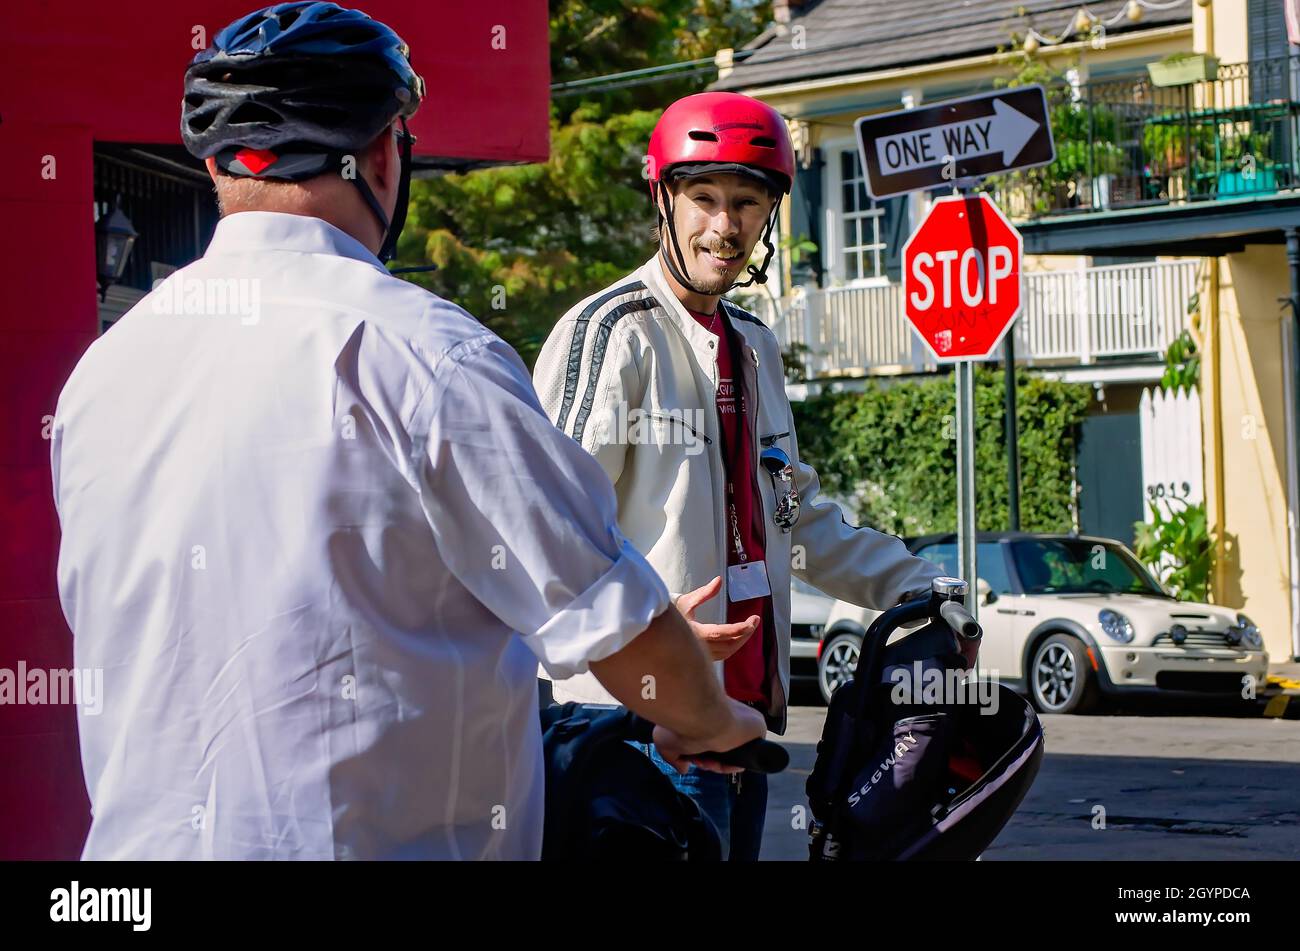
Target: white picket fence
1172 468
1079 315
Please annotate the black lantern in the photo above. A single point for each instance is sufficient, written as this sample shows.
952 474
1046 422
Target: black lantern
114 238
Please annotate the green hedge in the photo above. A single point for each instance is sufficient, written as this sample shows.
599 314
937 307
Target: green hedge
891 450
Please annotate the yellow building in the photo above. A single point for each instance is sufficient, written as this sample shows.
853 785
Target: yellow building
1170 209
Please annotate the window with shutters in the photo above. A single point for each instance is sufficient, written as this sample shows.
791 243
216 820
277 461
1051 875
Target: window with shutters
869 235
1268 49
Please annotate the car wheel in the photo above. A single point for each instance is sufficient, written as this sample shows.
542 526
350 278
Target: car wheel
1061 678
838 660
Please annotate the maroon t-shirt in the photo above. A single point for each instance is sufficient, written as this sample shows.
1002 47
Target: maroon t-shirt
744 672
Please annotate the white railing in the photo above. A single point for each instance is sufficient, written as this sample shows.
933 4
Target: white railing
1078 316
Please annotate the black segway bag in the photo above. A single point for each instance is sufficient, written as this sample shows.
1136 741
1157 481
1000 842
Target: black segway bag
606 800
917 780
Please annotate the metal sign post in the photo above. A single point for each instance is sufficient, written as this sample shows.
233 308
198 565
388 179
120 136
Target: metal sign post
966 482
961 266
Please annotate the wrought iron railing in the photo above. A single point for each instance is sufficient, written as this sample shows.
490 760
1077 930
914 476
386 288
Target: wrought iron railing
1130 143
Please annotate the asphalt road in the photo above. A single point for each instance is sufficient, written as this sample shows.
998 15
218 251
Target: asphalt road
1191 782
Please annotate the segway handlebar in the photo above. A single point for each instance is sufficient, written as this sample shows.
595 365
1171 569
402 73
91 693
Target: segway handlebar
958 618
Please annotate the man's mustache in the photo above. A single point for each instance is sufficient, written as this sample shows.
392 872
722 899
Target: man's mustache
717 247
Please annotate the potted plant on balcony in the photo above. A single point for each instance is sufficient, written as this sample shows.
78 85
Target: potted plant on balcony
1179 69
1164 144
1170 144
1244 165
1085 148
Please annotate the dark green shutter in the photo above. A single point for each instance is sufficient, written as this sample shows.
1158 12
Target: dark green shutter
806 204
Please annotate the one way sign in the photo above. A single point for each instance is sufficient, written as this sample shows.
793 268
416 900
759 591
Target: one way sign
935 145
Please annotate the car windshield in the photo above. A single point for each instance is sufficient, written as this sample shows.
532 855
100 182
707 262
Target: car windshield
1079 566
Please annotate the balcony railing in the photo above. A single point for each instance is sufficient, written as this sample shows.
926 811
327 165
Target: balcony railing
1075 316
1130 143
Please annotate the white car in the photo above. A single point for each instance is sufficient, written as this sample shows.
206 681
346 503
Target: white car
809 609
1070 618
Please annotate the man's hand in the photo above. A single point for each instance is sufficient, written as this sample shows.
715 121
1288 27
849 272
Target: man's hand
745 724
721 640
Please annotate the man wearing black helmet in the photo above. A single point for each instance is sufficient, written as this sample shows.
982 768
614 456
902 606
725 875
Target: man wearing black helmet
318 554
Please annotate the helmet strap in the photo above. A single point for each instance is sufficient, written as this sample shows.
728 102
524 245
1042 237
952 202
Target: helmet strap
679 275
390 230
758 274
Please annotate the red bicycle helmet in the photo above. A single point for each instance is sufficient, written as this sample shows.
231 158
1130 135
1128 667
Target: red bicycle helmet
720 132
722 128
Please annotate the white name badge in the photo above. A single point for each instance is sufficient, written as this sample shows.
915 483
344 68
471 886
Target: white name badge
748 581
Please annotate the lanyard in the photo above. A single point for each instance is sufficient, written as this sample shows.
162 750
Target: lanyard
738 393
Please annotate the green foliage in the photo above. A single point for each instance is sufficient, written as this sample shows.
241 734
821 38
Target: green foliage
891 451
600 37
517 246
794 358
1182 364
795 248
1177 546
1074 128
1085 136
1165 143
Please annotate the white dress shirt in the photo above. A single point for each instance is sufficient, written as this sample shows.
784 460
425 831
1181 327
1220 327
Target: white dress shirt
305 508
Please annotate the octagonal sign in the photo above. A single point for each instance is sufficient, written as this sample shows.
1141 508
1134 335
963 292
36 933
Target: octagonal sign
961 277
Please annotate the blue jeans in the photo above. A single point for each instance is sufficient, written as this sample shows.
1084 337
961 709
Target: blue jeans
736 805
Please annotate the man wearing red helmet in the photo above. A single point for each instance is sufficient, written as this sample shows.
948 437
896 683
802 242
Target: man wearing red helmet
680 395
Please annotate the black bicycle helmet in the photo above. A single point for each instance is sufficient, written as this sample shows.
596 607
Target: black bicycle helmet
290 90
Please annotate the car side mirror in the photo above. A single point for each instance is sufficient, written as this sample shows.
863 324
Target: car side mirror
985 592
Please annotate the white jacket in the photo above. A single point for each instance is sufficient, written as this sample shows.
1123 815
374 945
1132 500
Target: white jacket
633 378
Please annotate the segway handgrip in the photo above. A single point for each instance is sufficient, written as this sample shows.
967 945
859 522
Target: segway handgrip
959 619
760 756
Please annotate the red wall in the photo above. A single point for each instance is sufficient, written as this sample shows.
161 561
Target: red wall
75 72
48 317
118 67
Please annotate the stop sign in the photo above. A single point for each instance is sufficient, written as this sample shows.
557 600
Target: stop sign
961 277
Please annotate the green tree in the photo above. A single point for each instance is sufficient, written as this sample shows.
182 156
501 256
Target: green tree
517 246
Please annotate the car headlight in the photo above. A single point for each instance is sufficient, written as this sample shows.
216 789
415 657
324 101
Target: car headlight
1250 635
1116 626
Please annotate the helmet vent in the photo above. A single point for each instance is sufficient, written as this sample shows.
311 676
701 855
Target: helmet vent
199 122
764 141
287 18
252 112
700 136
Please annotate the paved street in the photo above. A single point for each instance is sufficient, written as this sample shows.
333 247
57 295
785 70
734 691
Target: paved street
1185 783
